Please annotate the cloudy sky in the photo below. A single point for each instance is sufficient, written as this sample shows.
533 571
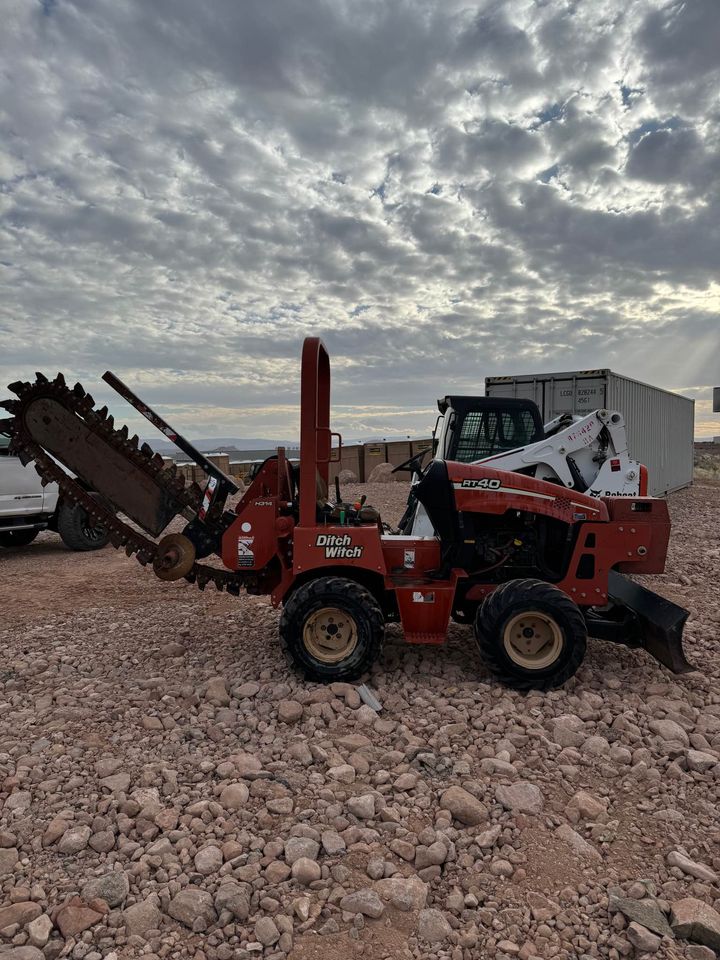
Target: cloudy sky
442 190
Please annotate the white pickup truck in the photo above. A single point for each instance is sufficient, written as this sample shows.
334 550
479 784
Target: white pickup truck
26 508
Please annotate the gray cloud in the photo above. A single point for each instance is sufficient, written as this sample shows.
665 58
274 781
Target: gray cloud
187 190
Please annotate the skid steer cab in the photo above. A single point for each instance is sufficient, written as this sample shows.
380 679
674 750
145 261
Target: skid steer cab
534 568
588 454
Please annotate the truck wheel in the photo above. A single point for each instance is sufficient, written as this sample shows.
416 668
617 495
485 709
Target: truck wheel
17 538
530 635
76 529
332 629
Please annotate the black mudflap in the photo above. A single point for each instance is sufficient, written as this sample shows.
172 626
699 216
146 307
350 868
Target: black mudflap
641 618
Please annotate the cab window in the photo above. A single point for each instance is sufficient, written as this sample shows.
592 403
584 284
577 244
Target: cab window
487 432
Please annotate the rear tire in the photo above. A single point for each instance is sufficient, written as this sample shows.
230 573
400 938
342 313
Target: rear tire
17 538
332 629
76 530
531 635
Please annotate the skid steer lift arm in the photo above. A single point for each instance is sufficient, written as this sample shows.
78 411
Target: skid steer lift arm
589 454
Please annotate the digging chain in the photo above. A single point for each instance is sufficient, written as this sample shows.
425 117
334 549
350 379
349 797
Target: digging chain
142 458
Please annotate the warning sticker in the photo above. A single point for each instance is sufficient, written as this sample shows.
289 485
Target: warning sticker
423 597
245 554
409 560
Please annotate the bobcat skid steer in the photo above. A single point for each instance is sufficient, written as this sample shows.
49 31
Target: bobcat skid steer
585 454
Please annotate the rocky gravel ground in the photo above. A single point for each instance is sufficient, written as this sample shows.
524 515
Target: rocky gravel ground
168 788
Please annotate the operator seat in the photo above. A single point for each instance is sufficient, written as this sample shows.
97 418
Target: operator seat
434 491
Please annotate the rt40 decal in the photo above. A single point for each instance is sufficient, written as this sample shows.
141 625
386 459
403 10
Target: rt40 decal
483 484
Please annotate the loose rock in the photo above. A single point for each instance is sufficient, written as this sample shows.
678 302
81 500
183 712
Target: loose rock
694 920
290 711
266 932
642 939
76 917
141 917
193 908
235 796
691 868
520 797
464 806
577 843
74 839
433 927
364 901
404 893
112 887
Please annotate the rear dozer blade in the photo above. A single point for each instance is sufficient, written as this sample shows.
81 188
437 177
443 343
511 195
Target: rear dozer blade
659 622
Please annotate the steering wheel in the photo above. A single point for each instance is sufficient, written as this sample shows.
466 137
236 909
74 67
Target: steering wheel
410 465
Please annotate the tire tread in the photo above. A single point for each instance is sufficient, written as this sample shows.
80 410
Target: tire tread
315 589
69 526
490 614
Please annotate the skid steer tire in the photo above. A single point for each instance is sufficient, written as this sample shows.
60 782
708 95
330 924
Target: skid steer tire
76 531
530 635
332 629
17 538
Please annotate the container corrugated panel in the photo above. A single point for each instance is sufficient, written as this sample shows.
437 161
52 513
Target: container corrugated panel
398 451
419 446
350 460
660 424
237 469
221 460
660 430
526 388
555 393
373 454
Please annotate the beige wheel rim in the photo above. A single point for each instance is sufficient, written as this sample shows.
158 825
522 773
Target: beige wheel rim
533 640
330 634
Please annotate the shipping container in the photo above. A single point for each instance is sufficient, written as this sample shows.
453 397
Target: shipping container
660 424
221 460
351 458
187 470
239 469
354 459
397 452
419 446
373 454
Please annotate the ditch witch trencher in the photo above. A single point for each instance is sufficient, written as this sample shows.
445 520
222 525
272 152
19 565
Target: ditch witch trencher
535 567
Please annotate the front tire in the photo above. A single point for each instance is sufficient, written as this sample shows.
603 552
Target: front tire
77 530
17 538
332 629
531 635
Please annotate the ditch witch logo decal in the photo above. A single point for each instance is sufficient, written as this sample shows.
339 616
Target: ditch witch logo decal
338 547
